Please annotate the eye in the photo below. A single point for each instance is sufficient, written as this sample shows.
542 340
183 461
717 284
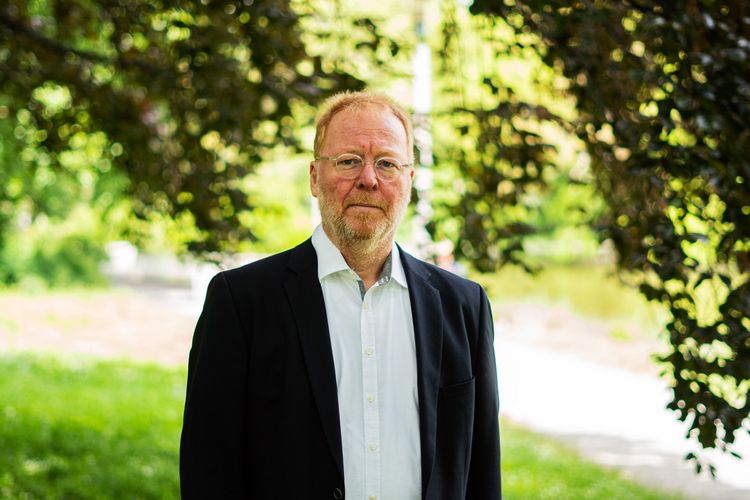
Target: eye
348 162
388 164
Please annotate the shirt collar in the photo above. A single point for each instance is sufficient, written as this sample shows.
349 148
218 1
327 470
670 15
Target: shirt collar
331 261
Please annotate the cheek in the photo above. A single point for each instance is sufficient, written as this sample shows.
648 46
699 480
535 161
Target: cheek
400 194
335 191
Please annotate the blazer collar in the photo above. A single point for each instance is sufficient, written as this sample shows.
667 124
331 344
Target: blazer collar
308 307
426 310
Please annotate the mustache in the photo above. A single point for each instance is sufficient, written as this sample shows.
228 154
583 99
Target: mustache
365 201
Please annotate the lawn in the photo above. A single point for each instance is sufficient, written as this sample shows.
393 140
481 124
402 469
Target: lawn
535 467
76 428
80 428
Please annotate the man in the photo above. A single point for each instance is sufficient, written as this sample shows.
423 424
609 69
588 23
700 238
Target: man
345 368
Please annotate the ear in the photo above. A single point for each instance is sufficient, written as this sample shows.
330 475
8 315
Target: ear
313 179
411 178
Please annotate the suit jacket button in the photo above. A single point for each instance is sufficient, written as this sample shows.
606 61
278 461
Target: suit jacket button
337 494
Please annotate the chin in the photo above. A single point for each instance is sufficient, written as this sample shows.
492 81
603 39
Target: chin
366 229
363 228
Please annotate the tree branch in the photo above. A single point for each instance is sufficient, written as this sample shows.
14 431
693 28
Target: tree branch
19 28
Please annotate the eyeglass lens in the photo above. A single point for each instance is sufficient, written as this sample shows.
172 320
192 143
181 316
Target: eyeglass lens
351 165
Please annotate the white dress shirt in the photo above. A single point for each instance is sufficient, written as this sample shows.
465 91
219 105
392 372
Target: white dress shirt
372 339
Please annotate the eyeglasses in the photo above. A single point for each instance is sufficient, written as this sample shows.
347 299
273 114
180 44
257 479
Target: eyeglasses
349 166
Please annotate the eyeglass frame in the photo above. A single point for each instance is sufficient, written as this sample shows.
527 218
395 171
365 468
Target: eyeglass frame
335 159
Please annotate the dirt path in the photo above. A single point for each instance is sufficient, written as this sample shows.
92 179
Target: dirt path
151 323
557 329
145 324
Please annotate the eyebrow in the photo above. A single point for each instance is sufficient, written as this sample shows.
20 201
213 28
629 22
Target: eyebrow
388 152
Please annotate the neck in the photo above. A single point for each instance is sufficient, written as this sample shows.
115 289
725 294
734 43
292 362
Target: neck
364 257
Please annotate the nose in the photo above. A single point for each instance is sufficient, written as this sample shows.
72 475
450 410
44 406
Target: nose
368 178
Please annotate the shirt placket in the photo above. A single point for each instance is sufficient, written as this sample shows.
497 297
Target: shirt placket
370 398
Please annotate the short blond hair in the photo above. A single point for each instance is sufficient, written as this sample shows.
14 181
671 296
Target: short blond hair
359 100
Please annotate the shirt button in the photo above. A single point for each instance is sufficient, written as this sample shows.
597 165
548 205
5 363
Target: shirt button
370 398
369 351
372 497
365 306
373 447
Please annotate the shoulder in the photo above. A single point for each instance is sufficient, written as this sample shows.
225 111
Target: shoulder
269 270
464 304
445 281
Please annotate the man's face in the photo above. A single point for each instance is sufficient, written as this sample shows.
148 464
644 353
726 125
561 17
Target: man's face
365 208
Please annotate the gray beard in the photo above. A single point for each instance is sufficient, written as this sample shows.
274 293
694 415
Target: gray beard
360 242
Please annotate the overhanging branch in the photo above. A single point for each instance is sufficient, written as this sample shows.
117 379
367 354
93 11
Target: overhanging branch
55 46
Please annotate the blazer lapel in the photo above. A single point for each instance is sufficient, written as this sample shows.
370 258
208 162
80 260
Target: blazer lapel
426 310
306 301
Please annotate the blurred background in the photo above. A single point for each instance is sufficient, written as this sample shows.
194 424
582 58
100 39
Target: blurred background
585 161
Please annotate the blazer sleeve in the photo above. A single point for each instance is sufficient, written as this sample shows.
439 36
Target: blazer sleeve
484 480
214 426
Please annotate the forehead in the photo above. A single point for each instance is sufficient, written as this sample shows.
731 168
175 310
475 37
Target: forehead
365 127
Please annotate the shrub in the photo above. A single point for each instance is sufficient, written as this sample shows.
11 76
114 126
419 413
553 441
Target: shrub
54 253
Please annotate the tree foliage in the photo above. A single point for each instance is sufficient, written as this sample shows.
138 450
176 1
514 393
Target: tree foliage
663 101
498 146
187 95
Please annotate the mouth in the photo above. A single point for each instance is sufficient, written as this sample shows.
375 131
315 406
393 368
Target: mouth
365 206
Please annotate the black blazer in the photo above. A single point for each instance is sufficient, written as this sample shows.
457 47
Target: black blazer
261 415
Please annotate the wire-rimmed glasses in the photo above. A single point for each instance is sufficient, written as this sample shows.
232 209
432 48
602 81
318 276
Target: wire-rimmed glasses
349 166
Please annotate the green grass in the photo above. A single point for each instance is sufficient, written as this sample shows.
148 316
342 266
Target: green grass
590 290
535 467
81 428
85 429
